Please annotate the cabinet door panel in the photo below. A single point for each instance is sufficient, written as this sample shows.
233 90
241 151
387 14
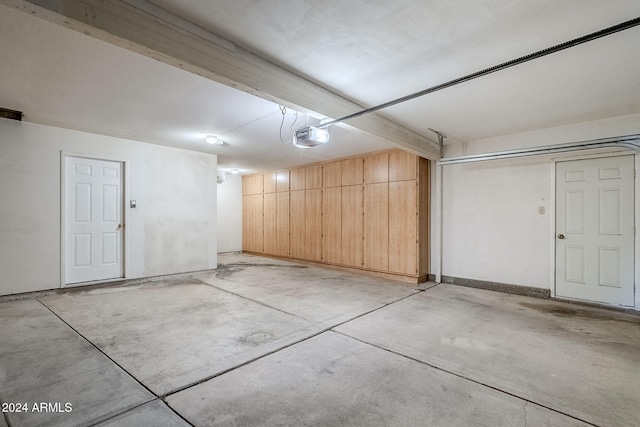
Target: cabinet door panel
282 224
270 239
352 171
376 168
298 179
270 180
332 225
352 198
376 226
332 174
403 227
313 225
297 224
282 183
402 166
313 177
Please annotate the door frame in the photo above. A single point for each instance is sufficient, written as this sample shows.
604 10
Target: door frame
636 216
125 215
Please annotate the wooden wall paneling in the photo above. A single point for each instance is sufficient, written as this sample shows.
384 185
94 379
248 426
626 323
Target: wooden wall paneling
269 182
298 179
332 225
352 171
376 226
424 217
376 168
332 174
314 177
313 225
403 230
282 224
282 181
402 166
270 224
297 224
352 206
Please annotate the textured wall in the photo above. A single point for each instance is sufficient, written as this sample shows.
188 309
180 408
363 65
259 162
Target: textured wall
172 230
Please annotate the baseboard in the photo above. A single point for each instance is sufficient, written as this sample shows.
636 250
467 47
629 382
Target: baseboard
499 287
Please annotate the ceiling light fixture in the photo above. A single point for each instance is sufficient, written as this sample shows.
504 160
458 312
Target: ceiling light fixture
213 140
310 136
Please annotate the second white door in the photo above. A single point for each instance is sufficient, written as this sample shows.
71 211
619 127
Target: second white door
595 230
93 220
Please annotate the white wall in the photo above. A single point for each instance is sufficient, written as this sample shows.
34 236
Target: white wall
172 230
491 226
230 214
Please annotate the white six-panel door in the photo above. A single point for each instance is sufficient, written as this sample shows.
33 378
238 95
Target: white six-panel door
595 230
93 220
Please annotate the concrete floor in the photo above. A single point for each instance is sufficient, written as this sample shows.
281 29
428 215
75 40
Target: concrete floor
270 342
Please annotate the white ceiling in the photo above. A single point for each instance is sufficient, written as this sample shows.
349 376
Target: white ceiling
368 51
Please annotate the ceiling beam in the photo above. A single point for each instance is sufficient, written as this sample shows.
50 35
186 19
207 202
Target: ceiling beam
142 27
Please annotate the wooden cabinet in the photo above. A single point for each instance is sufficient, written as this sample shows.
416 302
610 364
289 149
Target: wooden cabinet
297 224
352 198
332 174
270 223
376 226
376 168
366 212
282 183
269 180
252 223
402 166
313 177
352 171
252 184
403 237
313 225
282 224
332 225
298 179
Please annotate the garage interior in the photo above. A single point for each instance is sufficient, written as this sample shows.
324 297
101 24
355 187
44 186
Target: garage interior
461 251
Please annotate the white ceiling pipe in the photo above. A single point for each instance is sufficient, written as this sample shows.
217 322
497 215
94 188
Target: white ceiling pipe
631 142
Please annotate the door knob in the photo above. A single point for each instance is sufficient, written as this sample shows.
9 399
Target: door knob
560 236
120 226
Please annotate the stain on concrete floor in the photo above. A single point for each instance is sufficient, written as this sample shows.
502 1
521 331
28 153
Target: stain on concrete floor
225 271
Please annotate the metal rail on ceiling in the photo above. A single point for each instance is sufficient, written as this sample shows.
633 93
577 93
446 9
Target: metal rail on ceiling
530 57
631 142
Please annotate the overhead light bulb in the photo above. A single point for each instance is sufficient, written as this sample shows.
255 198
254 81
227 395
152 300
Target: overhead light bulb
213 140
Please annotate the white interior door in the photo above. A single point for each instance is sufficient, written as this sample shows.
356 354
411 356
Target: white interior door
595 230
93 220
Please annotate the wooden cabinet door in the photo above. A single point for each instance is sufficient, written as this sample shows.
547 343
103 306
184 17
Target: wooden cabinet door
297 224
332 174
403 232
282 224
313 225
402 166
332 225
298 179
270 224
376 168
252 223
352 200
282 183
352 171
376 226
270 180
313 177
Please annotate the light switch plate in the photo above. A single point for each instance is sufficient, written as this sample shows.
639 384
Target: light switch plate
132 204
